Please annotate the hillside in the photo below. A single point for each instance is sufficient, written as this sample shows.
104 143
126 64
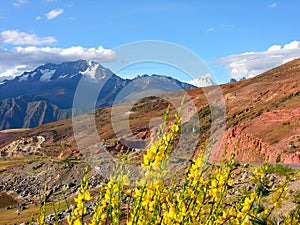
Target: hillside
262 120
263 116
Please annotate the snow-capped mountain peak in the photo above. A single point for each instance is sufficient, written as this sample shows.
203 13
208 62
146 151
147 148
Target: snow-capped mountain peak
203 81
96 72
91 70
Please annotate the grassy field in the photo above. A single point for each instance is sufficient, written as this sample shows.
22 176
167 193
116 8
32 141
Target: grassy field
12 217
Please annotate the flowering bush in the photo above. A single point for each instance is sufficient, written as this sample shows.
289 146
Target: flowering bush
201 196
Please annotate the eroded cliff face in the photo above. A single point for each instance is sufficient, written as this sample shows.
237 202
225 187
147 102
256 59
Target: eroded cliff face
273 134
247 148
263 117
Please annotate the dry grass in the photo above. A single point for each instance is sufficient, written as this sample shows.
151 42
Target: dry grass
17 130
11 216
6 164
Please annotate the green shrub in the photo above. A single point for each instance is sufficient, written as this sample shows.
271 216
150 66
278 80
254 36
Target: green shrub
281 170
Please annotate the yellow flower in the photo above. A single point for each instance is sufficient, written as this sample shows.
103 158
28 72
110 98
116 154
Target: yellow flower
87 196
115 188
128 192
175 128
77 222
214 183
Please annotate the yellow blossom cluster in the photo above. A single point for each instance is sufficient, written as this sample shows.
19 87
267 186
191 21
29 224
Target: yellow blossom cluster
160 149
200 196
83 196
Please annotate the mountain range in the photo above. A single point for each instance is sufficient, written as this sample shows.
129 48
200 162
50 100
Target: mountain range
262 119
46 94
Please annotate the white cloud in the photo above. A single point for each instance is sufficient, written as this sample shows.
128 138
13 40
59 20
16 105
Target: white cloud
22 59
274 48
15 37
19 3
250 64
11 73
54 13
273 5
292 45
38 18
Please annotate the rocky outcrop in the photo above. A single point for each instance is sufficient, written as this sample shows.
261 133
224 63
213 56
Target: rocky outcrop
69 154
23 146
250 148
247 147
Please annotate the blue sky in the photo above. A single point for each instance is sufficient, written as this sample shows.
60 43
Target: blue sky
234 38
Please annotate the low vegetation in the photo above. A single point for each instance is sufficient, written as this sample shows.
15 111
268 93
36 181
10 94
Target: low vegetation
205 194
281 169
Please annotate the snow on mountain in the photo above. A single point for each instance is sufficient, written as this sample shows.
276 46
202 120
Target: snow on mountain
58 82
24 77
64 76
46 74
91 70
56 85
203 81
96 72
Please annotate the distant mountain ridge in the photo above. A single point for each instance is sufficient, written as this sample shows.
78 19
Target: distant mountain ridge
31 95
53 82
26 111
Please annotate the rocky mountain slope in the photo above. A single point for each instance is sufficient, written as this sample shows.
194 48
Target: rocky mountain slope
25 111
263 119
46 94
264 115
